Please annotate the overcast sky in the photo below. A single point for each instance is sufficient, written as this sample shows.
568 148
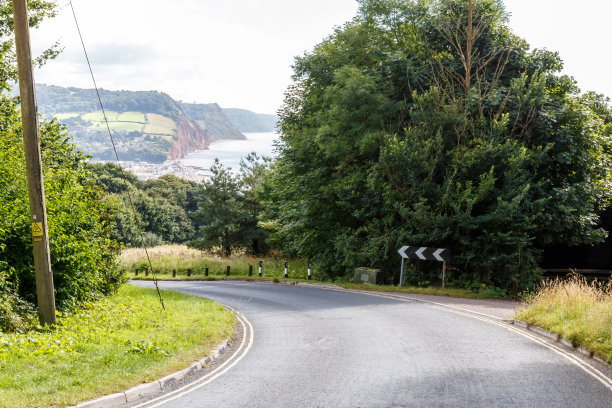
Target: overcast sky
239 53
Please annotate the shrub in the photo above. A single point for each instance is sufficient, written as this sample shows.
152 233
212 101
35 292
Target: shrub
83 257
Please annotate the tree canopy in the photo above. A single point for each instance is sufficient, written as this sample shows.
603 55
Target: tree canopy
430 123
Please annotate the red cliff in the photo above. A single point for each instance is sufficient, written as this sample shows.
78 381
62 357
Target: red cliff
189 138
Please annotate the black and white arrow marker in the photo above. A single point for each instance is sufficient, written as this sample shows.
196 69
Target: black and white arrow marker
424 253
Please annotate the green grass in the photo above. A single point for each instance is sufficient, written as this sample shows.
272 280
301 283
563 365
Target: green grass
98 116
137 117
485 293
127 126
114 344
578 311
158 124
128 121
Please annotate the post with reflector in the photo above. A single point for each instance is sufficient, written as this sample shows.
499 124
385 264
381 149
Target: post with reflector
443 273
31 140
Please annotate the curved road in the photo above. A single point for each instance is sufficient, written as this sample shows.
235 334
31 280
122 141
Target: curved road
312 347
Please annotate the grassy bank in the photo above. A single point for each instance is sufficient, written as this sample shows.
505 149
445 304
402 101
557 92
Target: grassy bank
165 258
110 346
578 311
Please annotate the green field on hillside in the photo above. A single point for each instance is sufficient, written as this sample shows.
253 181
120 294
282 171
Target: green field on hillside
137 117
62 116
159 125
98 116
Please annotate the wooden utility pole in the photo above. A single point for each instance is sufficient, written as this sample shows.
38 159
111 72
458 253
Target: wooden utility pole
31 142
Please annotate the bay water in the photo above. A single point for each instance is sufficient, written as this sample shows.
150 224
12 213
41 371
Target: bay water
230 152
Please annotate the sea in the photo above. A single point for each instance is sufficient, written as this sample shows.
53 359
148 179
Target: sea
230 152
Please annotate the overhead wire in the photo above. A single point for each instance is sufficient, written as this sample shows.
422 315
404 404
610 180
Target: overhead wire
125 183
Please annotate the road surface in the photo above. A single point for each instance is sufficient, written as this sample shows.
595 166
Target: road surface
312 347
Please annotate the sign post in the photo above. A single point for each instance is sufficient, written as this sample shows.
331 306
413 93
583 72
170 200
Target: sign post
424 253
45 294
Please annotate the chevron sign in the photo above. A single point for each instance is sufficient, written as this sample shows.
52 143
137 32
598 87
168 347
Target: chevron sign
425 253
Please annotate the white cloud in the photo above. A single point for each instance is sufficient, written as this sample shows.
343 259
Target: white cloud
235 52
239 53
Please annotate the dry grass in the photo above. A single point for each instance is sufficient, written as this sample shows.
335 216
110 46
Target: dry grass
579 311
160 252
165 258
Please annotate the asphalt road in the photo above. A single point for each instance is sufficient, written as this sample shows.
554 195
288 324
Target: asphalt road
310 347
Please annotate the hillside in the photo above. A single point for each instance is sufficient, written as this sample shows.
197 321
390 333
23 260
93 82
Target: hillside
147 126
247 121
211 117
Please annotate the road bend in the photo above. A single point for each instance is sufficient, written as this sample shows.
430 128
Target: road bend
312 347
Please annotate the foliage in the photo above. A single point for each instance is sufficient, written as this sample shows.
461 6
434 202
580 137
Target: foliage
83 256
82 253
119 342
57 99
578 311
430 123
229 208
162 208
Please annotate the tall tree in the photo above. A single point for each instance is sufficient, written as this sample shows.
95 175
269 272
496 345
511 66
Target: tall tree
430 123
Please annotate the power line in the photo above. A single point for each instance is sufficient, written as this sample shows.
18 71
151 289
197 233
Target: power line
125 183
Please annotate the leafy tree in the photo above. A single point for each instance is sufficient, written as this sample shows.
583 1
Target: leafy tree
430 123
229 209
162 208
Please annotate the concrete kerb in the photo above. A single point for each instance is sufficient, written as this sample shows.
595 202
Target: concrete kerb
556 337
144 390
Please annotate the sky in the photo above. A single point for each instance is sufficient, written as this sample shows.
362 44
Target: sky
238 53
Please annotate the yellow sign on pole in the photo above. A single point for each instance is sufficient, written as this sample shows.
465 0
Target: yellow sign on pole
37 229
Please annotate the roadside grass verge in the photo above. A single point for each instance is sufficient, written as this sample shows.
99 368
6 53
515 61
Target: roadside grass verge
111 345
579 311
483 293
165 258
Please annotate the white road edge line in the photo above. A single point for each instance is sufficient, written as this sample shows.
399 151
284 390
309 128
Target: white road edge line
411 299
218 372
592 371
